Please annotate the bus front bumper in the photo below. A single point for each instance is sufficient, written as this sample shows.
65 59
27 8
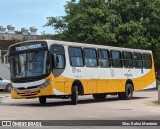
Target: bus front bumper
44 89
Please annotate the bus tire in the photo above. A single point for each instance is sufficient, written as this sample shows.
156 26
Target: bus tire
42 100
74 96
128 94
99 96
120 95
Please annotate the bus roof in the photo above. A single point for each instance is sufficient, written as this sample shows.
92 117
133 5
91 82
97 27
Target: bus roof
76 44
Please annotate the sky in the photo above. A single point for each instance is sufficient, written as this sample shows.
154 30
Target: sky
27 13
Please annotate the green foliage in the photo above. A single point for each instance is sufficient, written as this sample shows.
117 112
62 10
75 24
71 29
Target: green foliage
129 23
133 33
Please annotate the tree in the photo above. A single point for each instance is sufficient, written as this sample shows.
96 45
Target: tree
129 23
86 21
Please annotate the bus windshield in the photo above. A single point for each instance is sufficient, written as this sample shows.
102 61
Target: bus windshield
31 64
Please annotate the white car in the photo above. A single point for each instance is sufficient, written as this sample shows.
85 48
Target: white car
5 84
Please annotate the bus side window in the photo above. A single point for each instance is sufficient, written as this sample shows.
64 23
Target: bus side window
103 58
137 57
90 57
147 61
127 59
76 57
116 59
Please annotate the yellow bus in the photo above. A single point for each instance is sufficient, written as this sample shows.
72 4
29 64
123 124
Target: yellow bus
58 69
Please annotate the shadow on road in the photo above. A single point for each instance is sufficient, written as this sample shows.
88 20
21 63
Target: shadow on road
156 102
68 102
4 92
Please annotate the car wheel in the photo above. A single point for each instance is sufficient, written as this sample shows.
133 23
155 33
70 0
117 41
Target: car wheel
8 87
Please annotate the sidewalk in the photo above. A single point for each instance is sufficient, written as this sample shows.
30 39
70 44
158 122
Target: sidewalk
5 71
4 95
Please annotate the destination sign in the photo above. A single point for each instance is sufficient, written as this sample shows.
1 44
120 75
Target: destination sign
33 46
27 47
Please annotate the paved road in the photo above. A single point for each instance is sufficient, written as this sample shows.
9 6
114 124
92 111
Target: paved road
143 106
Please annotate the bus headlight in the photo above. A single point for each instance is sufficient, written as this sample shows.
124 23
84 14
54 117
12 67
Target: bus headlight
45 84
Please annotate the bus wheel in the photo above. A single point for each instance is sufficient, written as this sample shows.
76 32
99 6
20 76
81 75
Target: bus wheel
42 100
99 96
128 93
74 96
120 95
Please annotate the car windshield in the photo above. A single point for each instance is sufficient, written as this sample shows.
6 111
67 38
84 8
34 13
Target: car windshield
30 64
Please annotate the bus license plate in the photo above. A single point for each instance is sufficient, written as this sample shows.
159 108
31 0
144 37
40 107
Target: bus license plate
28 93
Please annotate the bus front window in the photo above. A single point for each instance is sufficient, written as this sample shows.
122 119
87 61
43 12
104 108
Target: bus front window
29 64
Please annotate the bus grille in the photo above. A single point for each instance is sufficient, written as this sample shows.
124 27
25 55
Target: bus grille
28 93
23 88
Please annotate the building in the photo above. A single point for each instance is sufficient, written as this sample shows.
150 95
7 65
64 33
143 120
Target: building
9 36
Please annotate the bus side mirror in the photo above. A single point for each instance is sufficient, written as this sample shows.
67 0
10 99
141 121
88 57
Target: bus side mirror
55 60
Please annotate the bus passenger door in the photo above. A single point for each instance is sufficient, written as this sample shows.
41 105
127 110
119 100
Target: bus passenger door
57 54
